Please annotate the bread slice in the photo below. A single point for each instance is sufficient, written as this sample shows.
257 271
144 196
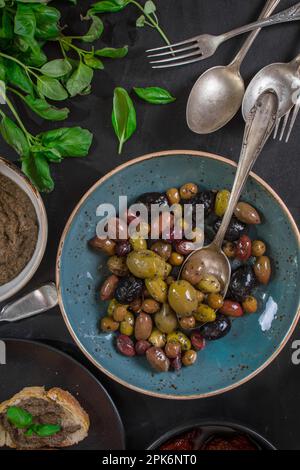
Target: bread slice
74 414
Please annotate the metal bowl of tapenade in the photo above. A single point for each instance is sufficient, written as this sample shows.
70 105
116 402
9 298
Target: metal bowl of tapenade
23 230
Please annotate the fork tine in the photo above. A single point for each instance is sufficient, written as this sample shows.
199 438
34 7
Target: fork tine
293 120
278 121
176 51
170 46
176 64
286 120
172 59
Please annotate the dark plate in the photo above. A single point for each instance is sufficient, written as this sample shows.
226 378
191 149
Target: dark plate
207 430
34 364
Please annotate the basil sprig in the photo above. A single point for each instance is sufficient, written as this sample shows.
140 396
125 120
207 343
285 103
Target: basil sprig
26 26
21 419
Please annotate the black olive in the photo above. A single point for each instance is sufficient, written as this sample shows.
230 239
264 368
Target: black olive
207 198
129 288
242 283
235 230
217 329
153 198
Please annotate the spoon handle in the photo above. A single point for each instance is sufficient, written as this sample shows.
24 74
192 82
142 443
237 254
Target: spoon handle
266 12
285 16
259 126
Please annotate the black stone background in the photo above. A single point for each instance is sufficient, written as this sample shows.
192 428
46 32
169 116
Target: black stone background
270 402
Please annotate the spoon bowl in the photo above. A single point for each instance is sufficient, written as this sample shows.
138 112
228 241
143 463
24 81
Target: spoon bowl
283 78
208 260
215 99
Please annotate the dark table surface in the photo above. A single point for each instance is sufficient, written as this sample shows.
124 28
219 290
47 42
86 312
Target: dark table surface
270 402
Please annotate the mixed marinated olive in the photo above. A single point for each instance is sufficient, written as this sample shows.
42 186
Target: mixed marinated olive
166 319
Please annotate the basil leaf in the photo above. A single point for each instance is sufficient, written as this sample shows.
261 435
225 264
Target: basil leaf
25 23
38 171
70 142
46 430
20 418
113 53
154 95
93 62
6 29
95 31
140 22
2 70
51 88
149 7
43 109
109 6
14 136
79 80
18 77
123 116
47 21
52 155
56 68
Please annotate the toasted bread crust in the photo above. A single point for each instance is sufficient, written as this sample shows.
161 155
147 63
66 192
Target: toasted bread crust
74 413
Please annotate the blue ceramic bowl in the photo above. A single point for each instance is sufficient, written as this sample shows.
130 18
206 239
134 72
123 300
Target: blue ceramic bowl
224 364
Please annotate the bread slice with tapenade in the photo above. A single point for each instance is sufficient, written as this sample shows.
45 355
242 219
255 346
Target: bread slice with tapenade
46 410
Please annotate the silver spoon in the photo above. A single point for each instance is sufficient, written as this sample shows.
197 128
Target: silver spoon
218 94
211 259
282 78
38 301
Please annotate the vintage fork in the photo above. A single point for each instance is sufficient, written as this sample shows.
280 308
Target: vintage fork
290 118
204 46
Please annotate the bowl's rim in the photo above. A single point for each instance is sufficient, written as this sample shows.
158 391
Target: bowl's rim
193 153
43 230
178 430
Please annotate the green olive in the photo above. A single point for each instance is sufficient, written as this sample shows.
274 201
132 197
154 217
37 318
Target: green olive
108 324
111 307
189 358
138 243
209 284
165 319
183 298
157 338
117 265
205 314
179 338
127 325
221 202
157 288
146 264
162 249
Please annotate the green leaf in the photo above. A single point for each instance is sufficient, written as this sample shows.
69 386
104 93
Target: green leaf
37 169
46 430
47 21
93 62
6 28
51 88
52 155
113 53
43 109
149 7
25 23
69 142
154 95
140 22
95 31
80 79
14 136
123 116
109 6
20 418
2 70
56 68
18 77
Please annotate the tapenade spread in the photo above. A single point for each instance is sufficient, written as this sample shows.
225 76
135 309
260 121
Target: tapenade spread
18 229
